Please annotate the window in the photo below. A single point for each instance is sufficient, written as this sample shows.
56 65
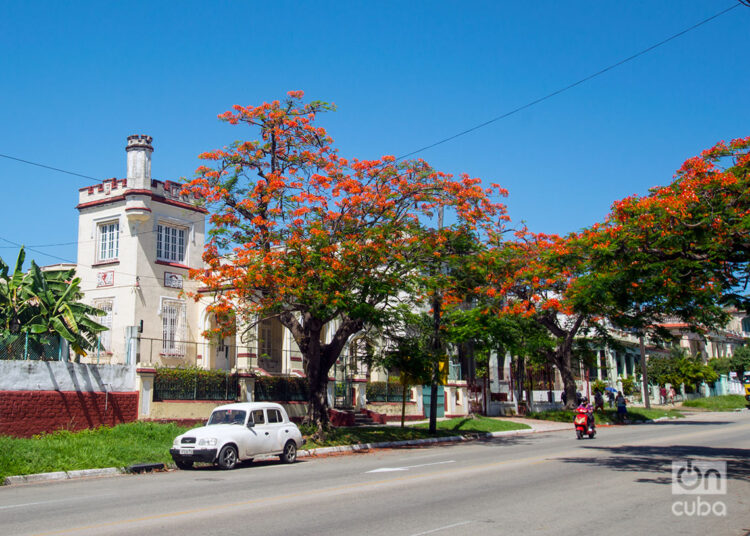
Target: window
105 337
109 241
173 327
274 415
170 243
258 416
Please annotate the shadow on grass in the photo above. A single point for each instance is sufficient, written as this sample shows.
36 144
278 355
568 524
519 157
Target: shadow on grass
658 460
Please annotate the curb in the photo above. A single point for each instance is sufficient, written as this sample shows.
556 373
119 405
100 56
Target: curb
111 471
62 475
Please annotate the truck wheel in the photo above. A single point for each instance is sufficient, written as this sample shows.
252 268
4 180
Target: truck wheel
227 457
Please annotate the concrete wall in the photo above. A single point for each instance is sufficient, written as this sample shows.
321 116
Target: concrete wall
63 376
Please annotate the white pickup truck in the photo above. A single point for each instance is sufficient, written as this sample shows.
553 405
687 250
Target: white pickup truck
239 432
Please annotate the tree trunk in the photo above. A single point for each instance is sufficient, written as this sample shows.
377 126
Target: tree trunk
561 359
644 372
403 404
318 360
317 409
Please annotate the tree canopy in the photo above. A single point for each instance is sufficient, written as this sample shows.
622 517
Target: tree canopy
307 236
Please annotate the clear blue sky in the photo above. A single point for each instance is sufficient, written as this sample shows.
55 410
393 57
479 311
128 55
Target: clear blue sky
79 77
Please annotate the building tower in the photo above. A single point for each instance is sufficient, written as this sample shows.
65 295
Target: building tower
137 240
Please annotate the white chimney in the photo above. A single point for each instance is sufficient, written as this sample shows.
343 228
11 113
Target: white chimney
139 151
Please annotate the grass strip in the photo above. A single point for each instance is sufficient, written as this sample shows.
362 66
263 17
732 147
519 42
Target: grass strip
609 416
120 446
718 403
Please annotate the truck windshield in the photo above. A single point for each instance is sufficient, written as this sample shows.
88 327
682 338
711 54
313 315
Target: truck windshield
227 416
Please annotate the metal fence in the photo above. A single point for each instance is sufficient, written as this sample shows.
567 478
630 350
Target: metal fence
281 389
386 392
25 346
195 384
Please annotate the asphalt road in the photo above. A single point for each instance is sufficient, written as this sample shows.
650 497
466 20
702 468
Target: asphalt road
549 483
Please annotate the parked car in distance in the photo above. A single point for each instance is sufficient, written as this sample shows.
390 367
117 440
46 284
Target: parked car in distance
239 432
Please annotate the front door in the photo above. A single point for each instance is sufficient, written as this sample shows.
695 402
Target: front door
426 392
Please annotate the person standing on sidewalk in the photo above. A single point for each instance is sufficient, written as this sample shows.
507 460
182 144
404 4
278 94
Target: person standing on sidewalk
663 395
622 407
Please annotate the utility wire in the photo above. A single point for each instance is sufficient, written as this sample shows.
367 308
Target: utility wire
49 167
574 84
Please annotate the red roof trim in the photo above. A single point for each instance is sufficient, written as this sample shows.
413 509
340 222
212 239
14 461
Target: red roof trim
149 193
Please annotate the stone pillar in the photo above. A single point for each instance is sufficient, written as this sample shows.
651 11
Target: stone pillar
331 392
417 393
145 387
360 394
247 387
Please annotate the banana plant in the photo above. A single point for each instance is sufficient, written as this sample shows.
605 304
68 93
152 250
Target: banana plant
47 303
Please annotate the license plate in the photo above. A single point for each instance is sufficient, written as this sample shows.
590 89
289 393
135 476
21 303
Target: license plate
186 451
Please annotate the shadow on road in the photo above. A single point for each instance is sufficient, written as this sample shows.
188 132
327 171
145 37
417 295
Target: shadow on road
658 460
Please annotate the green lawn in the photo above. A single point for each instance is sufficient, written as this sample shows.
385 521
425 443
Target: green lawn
121 446
608 417
718 403
476 424
379 434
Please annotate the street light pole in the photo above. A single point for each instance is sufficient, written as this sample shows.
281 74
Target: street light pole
436 306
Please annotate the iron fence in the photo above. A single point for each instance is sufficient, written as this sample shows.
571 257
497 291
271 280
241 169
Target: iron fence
386 392
25 346
281 389
195 384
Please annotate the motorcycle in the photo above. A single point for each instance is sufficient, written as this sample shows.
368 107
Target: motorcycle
582 425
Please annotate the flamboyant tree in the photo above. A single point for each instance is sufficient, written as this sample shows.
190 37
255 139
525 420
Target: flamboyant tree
536 276
682 251
313 239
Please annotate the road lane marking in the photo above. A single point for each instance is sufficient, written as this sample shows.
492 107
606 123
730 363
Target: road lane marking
407 467
6 506
459 524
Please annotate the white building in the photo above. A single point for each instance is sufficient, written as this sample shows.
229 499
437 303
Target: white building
138 239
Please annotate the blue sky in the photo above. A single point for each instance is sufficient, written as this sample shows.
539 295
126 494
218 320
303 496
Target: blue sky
79 77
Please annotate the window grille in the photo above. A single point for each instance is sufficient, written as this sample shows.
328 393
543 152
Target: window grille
170 243
109 241
105 337
173 328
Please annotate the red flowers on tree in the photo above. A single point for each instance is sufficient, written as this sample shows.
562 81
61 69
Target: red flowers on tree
314 239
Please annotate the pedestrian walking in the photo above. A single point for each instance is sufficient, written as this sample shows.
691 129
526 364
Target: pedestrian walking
611 399
663 395
672 394
598 401
622 407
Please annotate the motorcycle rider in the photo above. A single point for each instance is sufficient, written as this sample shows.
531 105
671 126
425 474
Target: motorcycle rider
586 407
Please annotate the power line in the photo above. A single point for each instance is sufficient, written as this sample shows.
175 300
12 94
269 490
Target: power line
574 84
49 167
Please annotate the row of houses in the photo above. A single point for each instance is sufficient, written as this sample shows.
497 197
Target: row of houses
137 240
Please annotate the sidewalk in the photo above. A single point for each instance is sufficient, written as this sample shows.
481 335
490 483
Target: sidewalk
540 426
